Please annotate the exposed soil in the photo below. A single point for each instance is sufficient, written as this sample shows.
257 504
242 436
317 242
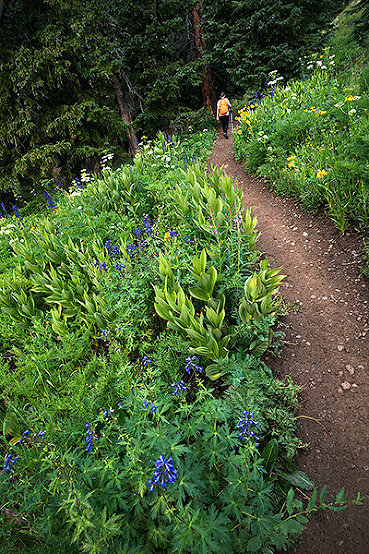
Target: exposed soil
326 351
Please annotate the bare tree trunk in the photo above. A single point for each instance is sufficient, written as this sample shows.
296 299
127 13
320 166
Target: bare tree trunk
126 116
207 87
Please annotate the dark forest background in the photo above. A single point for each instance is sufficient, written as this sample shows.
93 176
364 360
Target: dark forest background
80 79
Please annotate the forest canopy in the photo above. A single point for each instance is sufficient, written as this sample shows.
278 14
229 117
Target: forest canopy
80 79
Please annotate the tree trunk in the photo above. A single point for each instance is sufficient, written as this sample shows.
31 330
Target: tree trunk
126 116
207 87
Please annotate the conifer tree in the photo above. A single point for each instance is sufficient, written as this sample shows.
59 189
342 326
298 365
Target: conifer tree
247 39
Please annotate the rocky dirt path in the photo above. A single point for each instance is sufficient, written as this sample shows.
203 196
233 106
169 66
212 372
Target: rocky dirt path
326 352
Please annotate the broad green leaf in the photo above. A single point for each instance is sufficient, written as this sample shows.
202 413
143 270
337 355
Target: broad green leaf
11 427
312 500
213 371
289 501
270 454
341 495
322 495
299 479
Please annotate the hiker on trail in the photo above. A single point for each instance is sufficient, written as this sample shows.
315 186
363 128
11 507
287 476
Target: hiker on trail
223 107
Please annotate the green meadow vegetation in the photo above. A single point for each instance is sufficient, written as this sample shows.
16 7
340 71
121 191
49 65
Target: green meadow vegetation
309 136
136 412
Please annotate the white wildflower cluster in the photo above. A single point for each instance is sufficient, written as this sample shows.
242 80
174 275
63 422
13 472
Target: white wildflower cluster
85 177
321 63
262 136
105 161
7 229
274 78
159 157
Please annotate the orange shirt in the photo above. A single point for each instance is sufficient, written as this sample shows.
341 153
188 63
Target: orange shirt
223 106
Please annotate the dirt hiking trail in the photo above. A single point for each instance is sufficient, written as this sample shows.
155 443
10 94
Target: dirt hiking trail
326 351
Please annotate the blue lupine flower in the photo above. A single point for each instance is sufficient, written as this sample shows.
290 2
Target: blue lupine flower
4 208
172 234
245 424
9 462
78 183
17 213
49 200
191 365
185 162
119 266
165 473
101 266
178 387
26 432
89 437
59 182
138 232
112 249
132 249
146 361
170 138
148 226
186 239
120 404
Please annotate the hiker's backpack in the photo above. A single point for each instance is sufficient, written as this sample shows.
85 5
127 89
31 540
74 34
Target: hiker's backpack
223 107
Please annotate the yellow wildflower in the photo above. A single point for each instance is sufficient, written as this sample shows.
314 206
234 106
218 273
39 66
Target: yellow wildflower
321 173
291 158
349 98
248 122
291 163
239 132
167 235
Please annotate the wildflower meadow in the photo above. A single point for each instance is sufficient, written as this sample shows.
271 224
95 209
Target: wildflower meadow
137 414
309 138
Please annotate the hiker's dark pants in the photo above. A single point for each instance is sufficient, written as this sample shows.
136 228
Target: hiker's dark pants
225 122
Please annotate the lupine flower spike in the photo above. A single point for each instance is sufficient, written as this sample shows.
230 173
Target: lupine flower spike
165 473
244 425
178 387
191 365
